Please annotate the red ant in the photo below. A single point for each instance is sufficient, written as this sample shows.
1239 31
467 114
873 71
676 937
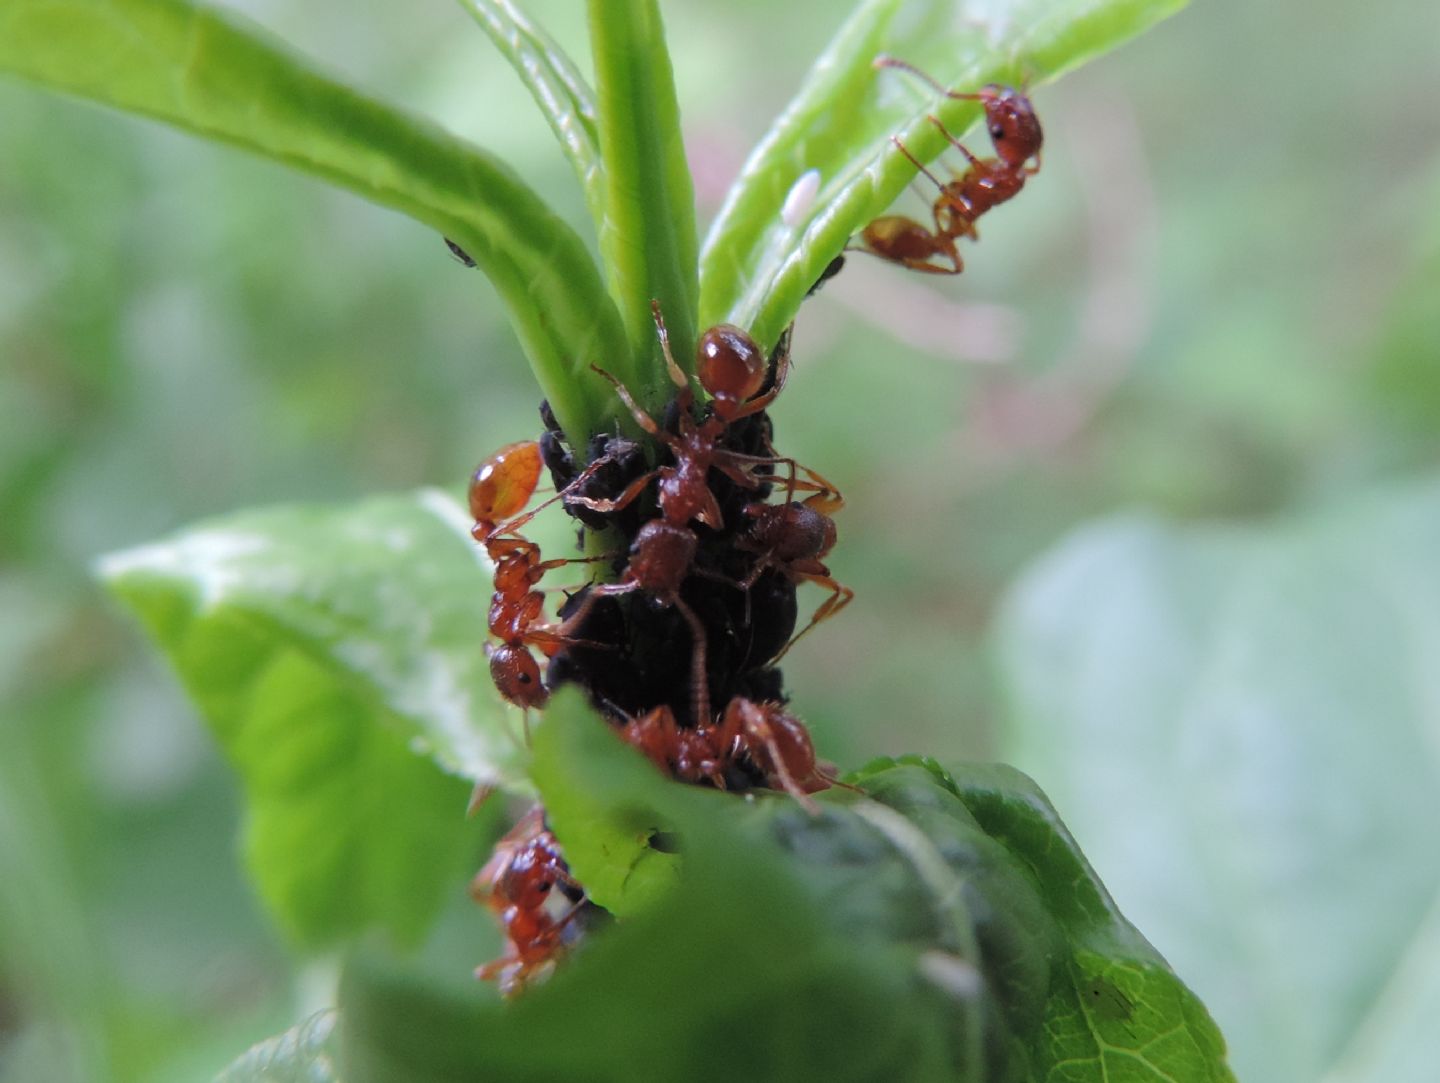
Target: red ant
1015 133
771 738
732 369
499 491
516 883
794 538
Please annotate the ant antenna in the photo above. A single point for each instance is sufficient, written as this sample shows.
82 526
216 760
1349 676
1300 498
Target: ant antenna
886 61
677 376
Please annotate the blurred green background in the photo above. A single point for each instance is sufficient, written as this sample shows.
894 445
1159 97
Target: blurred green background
1218 300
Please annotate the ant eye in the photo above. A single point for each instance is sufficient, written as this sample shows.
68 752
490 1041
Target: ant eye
997 131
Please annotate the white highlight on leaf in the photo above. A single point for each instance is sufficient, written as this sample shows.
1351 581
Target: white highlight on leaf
210 559
951 974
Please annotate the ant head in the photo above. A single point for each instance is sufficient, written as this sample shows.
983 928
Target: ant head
527 881
731 367
517 675
1014 128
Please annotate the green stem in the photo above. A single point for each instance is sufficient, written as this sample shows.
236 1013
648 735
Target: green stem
647 233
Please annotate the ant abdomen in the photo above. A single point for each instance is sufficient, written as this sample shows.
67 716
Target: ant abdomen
504 483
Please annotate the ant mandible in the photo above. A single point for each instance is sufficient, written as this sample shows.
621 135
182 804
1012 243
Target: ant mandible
517 884
732 369
988 182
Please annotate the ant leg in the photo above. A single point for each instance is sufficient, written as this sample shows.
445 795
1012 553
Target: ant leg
813 482
777 380
551 640
579 479
626 497
644 420
546 566
825 494
917 163
840 597
756 725
733 465
949 252
933 119
560 562
509 730
699 682
577 618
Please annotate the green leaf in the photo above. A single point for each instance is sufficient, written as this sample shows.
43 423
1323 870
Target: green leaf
207 71
1105 1004
604 819
932 929
1240 722
755 265
557 86
306 1053
647 234
338 657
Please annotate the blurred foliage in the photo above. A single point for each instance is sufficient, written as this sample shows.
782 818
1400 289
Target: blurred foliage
1215 301
1239 722
941 927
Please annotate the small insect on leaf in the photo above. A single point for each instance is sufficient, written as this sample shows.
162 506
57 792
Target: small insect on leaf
459 253
1106 1000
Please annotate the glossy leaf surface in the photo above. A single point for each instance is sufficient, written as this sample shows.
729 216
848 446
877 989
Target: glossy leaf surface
337 656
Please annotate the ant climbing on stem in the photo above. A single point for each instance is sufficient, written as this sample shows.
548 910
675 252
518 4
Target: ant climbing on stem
1017 138
518 884
501 487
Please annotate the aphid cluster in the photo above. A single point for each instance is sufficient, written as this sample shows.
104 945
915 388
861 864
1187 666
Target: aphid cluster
986 183
708 533
677 639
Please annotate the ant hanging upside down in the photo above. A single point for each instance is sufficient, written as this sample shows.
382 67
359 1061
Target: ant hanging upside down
501 487
988 182
519 883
